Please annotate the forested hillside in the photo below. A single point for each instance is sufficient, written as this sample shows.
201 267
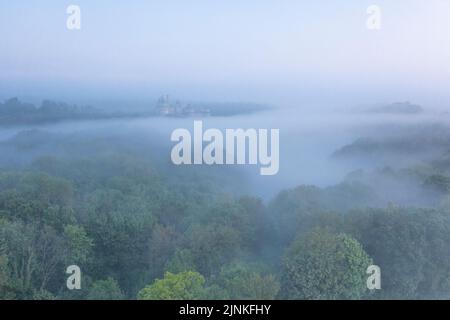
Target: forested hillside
141 228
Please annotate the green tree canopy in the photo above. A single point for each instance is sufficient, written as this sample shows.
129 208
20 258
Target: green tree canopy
186 285
244 282
321 265
107 289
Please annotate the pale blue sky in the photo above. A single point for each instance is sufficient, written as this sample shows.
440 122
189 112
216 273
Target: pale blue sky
226 49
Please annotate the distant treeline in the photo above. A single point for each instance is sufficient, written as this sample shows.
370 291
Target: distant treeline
232 109
15 112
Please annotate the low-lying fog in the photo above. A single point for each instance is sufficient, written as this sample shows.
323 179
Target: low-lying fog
307 140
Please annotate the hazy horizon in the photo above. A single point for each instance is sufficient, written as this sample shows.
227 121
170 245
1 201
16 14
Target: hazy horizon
292 53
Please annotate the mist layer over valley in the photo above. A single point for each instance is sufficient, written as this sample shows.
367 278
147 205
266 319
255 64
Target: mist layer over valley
337 168
93 205
317 147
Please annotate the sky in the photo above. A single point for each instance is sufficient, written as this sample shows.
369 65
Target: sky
255 50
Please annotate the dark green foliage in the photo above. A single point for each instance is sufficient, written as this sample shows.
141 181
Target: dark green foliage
410 245
139 227
247 282
105 290
321 265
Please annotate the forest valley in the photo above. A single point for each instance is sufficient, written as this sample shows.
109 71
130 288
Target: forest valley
140 227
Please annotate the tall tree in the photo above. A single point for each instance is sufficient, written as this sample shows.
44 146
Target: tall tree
186 285
321 265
